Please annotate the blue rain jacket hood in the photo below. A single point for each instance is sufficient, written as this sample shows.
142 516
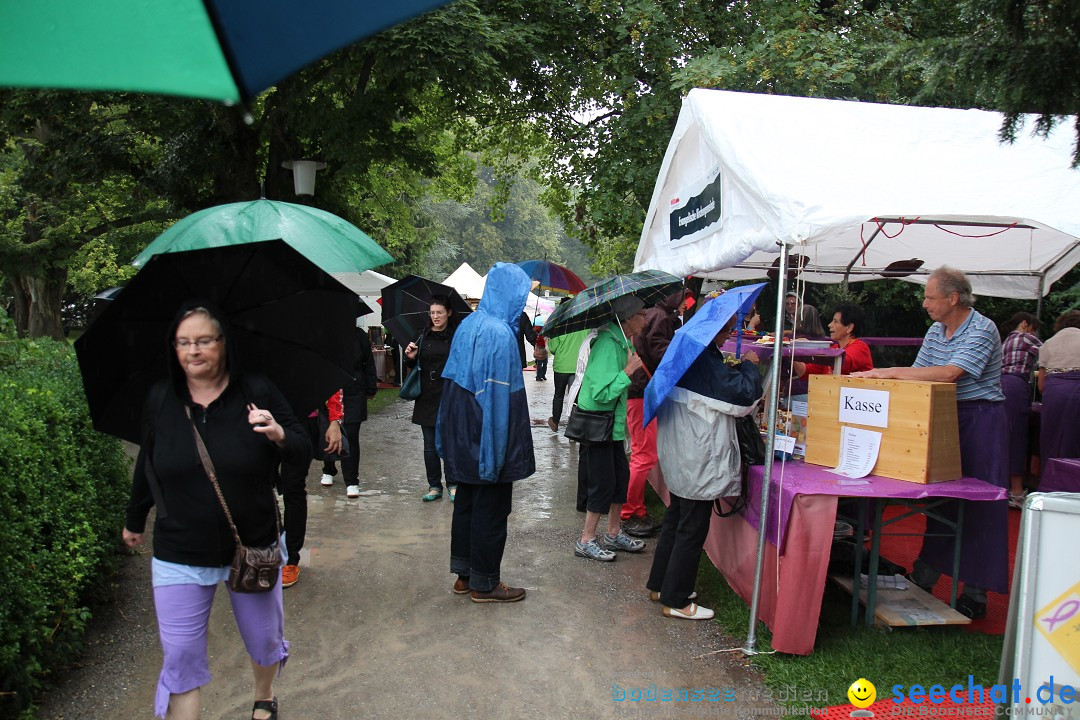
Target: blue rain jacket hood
484 434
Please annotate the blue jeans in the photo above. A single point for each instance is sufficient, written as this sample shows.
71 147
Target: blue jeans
432 463
478 533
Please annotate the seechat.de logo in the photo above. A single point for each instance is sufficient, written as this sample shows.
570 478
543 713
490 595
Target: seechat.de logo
862 695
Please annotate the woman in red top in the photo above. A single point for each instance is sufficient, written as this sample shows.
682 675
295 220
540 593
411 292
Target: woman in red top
847 318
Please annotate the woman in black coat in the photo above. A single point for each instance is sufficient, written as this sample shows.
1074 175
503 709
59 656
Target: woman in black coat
432 351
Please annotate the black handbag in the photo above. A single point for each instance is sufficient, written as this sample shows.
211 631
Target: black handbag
590 427
410 387
752 452
751 445
254 569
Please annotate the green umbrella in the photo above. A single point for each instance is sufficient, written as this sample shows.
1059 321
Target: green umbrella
329 241
228 50
592 306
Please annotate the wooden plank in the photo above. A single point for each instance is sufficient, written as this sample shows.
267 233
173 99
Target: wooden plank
906 608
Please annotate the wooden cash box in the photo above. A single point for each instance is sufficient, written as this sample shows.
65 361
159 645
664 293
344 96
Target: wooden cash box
921 442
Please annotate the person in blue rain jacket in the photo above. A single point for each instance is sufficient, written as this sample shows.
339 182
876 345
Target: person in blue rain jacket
484 434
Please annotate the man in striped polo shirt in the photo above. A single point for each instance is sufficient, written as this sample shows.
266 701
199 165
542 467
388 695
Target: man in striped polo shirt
963 347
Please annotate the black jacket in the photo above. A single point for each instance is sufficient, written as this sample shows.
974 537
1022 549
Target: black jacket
191 528
365 382
434 349
526 331
651 343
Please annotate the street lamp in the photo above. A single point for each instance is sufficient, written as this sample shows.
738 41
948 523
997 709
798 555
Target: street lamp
303 174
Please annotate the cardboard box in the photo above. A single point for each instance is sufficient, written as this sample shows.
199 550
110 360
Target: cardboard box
920 437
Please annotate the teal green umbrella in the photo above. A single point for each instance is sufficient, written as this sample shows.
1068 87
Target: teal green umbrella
332 243
228 50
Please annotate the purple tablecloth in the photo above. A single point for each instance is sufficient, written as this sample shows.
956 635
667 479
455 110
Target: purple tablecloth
1061 475
765 351
800 478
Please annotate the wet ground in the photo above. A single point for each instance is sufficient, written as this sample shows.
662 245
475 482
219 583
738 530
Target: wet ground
377 633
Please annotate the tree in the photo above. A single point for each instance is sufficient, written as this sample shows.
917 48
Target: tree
66 179
1019 56
604 85
485 231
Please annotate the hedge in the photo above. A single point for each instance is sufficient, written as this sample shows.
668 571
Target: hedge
63 487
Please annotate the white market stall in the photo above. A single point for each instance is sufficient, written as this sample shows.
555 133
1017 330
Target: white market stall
368 286
468 283
858 190
856 187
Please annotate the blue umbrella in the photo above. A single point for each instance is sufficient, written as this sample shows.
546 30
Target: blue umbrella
693 338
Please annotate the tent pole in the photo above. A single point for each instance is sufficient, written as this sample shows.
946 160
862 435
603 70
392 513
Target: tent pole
847 270
770 443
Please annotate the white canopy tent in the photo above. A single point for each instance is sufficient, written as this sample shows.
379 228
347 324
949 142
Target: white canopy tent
368 285
855 187
471 286
468 282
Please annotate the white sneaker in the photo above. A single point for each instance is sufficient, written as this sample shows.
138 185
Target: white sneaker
352 491
327 480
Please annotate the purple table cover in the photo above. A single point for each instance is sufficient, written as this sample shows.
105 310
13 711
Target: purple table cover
800 478
765 351
1061 475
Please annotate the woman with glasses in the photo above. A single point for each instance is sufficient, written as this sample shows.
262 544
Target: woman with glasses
248 429
431 351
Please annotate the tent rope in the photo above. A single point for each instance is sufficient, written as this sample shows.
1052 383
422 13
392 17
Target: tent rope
1008 227
881 229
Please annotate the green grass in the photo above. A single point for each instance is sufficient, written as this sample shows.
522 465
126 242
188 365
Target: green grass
842 653
385 398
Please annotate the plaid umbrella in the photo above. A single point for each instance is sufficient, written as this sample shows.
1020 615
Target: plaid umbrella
592 306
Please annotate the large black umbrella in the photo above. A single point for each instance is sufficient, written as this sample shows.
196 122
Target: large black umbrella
290 321
405 306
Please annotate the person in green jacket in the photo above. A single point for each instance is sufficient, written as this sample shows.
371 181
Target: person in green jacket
565 349
604 386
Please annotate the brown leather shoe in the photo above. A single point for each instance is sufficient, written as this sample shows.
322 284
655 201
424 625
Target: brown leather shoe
553 424
461 586
502 593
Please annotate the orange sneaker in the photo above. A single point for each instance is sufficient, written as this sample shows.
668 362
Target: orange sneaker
289 575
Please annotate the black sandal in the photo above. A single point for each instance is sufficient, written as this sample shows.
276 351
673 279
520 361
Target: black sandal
268 705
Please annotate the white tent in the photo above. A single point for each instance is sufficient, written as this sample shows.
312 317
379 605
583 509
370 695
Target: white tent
468 282
471 286
855 187
368 285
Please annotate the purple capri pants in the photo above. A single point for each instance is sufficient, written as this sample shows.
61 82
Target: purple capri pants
183 614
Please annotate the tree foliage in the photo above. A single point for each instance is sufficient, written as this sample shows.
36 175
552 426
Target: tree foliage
578 96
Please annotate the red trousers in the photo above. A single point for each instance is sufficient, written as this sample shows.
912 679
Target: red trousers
642 457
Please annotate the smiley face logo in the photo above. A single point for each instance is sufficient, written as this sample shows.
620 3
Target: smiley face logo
862 693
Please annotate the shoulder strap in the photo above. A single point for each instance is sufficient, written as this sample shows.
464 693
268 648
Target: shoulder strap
208 466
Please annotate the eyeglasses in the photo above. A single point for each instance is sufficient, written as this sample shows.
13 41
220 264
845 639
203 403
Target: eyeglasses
201 343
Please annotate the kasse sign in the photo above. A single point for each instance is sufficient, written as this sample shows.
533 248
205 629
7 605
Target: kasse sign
864 407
